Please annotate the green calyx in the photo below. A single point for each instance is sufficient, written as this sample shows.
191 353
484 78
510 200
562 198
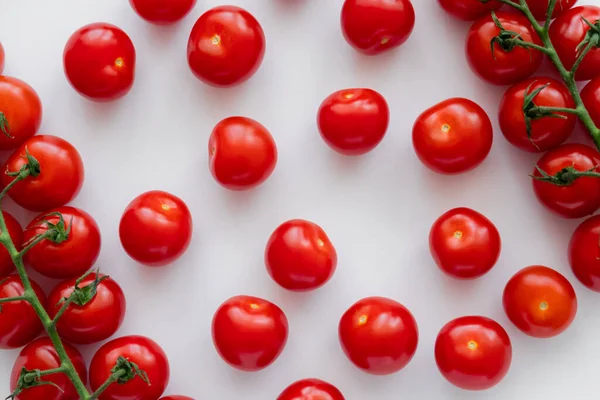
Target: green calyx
507 40
532 112
125 370
592 37
32 168
83 295
4 127
28 379
566 176
58 232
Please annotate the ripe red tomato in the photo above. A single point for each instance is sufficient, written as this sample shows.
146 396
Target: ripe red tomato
19 324
16 234
249 333
226 46
540 301
41 354
468 10
582 196
539 8
311 389
176 397
378 335
453 136
242 153
568 31
1 59
299 256
375 26
504 66
59 181
82 324
584 253
162 12
156 228
70 258
99 62
464 243
590 95
546 132
353 121
473 353
144 352
20 112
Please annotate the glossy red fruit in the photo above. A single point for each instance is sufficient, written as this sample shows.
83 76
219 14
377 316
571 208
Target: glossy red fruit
473 353
156 228
97 320
353 121
311 389
20 112
584 253
249 333
99 62
299 256
375 26
41 354
1 59
162 12
539 8
590 95
19 323
242 153
378 335
540 301
226 46
70 258
468 10
16 235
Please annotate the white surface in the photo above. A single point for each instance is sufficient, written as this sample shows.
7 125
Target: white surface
377 209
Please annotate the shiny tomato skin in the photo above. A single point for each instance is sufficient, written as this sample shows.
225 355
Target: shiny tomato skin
99 62
41 354
540 301
468 10
156 228
2 56
547 132
59 181
68 259
21 108
16 234
249 333
584 253
176 397
539 7
311 389
19 324
378 335
464 243
375 26
226 46
502 68
453 136
97 320
473 353
162 12
299 256
353 121
148 356
590 95
567 32
242 153
579 199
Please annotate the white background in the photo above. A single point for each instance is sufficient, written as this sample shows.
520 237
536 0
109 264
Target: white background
376 209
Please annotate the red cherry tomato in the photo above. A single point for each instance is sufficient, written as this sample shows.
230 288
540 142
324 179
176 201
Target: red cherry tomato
59 181
590 95
99 62
353 121
453 136
378 335
96 320
249 333
311 389
162 12
226 46
464 243
19 324
299 256
502 67
156 228
546 132
582 196
374 26
20 112
41 354
176 397
1 59
144 352
539 8
16 235
70 258
242 153
568 31
468 10
540 301
584 253
473 353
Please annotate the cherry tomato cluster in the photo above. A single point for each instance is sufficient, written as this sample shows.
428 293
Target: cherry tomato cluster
379 335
